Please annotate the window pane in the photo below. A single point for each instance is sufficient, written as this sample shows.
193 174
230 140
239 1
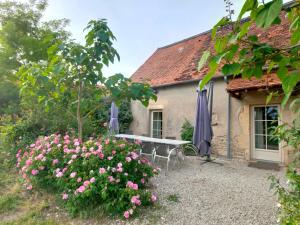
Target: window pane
259 113
272 113
155 125
159 115
159 135
155 133
155 115
271 126
260 141
260 127
159 125
272 143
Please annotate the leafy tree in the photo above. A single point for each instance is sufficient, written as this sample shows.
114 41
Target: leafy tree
23 38
72 77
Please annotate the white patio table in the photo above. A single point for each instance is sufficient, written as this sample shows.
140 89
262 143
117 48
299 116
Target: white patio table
174 151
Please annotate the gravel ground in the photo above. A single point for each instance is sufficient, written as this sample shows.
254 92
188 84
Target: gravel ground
226 194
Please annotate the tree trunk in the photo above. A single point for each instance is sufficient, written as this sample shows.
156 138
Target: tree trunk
79 119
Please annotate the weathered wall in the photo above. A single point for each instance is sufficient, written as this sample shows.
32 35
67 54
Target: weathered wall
179 103
241 124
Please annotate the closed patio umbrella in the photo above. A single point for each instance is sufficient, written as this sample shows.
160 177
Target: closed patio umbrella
203 131
114 123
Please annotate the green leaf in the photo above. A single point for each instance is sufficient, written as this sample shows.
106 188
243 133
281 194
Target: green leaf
248 6
273 12
244 29
295 37
231 69
221 44
267 14
203 60
269 98
213 65
253 38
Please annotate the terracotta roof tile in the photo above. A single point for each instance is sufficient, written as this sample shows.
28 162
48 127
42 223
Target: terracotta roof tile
237 84
178 62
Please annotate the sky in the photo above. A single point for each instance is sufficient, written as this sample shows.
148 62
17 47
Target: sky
140 26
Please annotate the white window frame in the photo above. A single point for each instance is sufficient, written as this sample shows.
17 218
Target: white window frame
151 121
265 154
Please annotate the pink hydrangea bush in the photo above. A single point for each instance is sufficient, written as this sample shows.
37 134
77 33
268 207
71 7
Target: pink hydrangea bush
104 172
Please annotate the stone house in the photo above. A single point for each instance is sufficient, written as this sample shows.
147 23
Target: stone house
241 119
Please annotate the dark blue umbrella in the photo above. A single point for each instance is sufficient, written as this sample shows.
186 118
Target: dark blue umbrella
203 131
114 123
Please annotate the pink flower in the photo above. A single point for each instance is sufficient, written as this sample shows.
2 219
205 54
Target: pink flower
28 162
142 180
72 175
102 170
56 141
101 155
34 172
113 152
55 161
134 155
126 214
59 174
64 170
129 184
84 148
29 187
92 180
135 187
122 145
107 141
79 179
145 175
135 200
66 137
74 156
81 189
128 159
109 157
126 174
153 198
120 169
120 164
76 143
111 179
39 157
65 196
86 183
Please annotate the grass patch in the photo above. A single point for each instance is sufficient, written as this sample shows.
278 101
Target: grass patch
173 198
32 218
9 202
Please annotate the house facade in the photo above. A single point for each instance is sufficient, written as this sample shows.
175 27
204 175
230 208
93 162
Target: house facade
242 122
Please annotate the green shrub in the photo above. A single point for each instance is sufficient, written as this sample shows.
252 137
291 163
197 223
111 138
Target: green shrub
289 194
187 131
103 172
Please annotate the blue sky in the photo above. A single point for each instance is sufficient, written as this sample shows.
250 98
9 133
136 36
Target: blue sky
140 26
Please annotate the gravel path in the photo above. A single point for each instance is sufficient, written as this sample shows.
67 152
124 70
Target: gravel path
213 194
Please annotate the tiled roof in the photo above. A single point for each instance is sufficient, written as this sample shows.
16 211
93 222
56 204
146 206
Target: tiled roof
177 62
237 84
